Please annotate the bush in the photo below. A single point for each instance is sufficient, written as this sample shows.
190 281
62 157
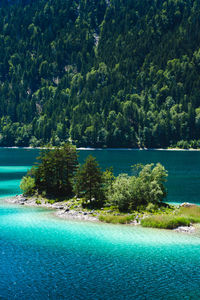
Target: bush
147 186
192 213
38 202
151 207
51 201
27 185
116 219
120 193
165 221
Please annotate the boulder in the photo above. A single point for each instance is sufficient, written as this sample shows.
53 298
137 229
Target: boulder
185 229
187 204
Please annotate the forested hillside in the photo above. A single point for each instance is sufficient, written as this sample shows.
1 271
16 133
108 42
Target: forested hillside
103 73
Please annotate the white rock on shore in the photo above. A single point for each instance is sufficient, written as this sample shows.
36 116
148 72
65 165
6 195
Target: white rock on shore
185 229
187 204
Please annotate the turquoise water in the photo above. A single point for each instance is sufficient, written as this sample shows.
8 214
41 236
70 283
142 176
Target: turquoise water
42 257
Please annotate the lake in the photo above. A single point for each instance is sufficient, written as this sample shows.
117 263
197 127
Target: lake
183 168
42 257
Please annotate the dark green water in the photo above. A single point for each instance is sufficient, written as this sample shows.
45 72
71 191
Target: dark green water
42 257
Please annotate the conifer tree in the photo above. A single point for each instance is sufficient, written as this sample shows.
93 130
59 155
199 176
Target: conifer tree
56 170
89 181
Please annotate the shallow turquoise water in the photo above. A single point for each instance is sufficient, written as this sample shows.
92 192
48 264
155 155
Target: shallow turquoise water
42 257
46 258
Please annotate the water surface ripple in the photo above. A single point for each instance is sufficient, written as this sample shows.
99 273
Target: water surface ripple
42 257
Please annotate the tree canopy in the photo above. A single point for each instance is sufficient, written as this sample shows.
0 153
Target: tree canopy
54 172
100 73
57 174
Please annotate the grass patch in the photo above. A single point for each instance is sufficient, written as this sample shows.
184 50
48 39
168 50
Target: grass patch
116 219
192 213
183 216
165 221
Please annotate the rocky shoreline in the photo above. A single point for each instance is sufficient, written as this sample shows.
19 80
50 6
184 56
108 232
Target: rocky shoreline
62 209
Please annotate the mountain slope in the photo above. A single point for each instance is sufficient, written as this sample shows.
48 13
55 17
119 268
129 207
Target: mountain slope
102 73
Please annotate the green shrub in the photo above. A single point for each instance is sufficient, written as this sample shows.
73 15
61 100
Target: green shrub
165 221
51 201
192 213
151 207
131 192
119 193
116 219
44 194
38 202
27 185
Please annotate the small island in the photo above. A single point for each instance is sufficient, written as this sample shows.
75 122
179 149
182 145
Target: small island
85 192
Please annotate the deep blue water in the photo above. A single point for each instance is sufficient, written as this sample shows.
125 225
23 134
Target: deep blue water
42 257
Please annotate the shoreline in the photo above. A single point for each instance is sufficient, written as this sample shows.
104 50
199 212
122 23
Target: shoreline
109 149
59 209
63 210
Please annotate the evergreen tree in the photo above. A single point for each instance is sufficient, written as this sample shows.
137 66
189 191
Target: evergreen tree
89 181
56 170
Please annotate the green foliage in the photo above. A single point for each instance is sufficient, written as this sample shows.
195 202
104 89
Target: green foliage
100 73
38 202
51 201
116 219
89 181
165 221
27 185
130 192
151 207
56 169
183 216
120 193
192 213
108 179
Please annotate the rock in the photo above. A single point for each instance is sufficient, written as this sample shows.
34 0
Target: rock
85 213
67 209
22 199
134 222
187 204
185 229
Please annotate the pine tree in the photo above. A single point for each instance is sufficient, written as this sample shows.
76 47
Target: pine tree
89 181
56 170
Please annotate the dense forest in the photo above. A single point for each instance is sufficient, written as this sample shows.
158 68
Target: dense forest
101 73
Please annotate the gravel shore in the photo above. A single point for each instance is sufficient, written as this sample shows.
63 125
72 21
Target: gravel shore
62 210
